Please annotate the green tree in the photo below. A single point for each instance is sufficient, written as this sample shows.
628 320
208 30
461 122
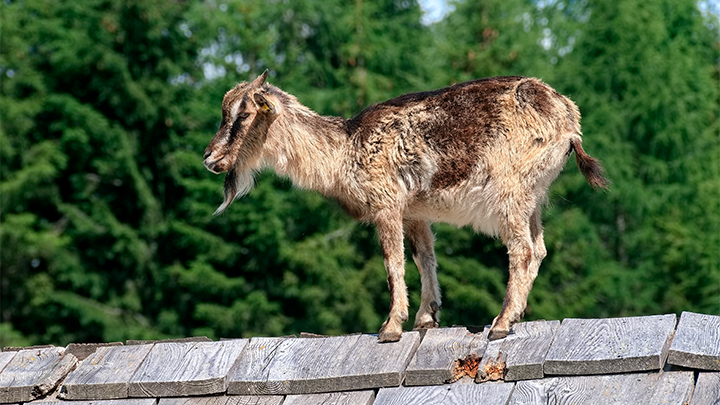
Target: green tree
645 77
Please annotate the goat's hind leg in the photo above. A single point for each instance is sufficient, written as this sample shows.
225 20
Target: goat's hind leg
520 238
390 232
420 237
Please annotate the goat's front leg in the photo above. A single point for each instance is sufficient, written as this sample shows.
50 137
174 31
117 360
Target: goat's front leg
390 231
420 237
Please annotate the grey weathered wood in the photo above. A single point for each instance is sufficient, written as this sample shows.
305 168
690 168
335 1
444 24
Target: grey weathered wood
697 342
125 401
490 393
5 358
609 346
250 376
671 388
182 369
332 398
707 389
83 350
225 400
339 363
33 373
523 351
178 340
106 373
435 361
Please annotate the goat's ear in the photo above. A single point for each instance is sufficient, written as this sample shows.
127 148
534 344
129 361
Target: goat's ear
257 83
264 105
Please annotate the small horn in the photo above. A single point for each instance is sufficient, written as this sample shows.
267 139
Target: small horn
260 80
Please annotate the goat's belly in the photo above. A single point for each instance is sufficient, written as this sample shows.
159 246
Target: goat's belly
462 213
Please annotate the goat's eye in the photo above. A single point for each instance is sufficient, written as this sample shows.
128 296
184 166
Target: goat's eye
243 116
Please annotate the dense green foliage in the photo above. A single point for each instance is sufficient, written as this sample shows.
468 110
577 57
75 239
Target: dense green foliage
107 230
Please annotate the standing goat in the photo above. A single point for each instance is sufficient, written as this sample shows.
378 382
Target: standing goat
481 153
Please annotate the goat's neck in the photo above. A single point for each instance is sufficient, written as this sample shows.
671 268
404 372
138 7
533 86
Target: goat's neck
307 148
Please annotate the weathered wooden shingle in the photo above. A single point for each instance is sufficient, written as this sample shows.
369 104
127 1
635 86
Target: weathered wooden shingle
339 363
251 374
672 388
441 355
707 389
5 358
33 373
519 356
490 393
181 369
125 401
225 400
697 342
609 346
106 373
83 350
332 398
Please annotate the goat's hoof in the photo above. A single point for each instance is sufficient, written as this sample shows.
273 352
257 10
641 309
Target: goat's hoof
389 332
427 325
496 334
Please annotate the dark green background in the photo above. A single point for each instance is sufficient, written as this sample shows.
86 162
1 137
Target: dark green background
107 229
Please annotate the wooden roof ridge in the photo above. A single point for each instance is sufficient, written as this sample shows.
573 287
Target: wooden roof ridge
655 359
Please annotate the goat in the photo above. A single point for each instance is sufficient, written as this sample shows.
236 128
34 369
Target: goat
480 153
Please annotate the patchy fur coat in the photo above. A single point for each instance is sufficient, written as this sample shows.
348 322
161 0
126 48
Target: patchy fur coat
480 153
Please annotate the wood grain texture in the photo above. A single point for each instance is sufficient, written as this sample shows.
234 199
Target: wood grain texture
707 389
329 364
672 388
83 350
250 376
182 369
610 346
225 400
125 401
106 373
523 351
697 342
435 359
332 398
33 373
490 393
5 358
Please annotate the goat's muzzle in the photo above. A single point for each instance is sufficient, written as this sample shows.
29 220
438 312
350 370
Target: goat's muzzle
214 164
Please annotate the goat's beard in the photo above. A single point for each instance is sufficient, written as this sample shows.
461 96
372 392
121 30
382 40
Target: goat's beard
238 182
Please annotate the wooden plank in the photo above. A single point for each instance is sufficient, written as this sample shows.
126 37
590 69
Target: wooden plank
442 354
697 342
182 369
250 376
329 364
647 389
125 401
83 350
33 373
106 373
491 393
225 400
332 398
609 346
519 356
5 358
707 389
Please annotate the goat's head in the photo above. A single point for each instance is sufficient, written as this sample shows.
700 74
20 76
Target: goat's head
247 113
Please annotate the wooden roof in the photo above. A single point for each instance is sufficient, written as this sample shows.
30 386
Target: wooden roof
636 360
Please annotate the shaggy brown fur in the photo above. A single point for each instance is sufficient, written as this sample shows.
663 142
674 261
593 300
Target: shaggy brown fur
481 153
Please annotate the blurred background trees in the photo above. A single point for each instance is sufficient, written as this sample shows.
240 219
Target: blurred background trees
107 230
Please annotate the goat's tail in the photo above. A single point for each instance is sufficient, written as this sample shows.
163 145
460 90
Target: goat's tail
588 165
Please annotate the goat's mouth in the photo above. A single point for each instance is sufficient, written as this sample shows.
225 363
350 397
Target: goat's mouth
215 166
